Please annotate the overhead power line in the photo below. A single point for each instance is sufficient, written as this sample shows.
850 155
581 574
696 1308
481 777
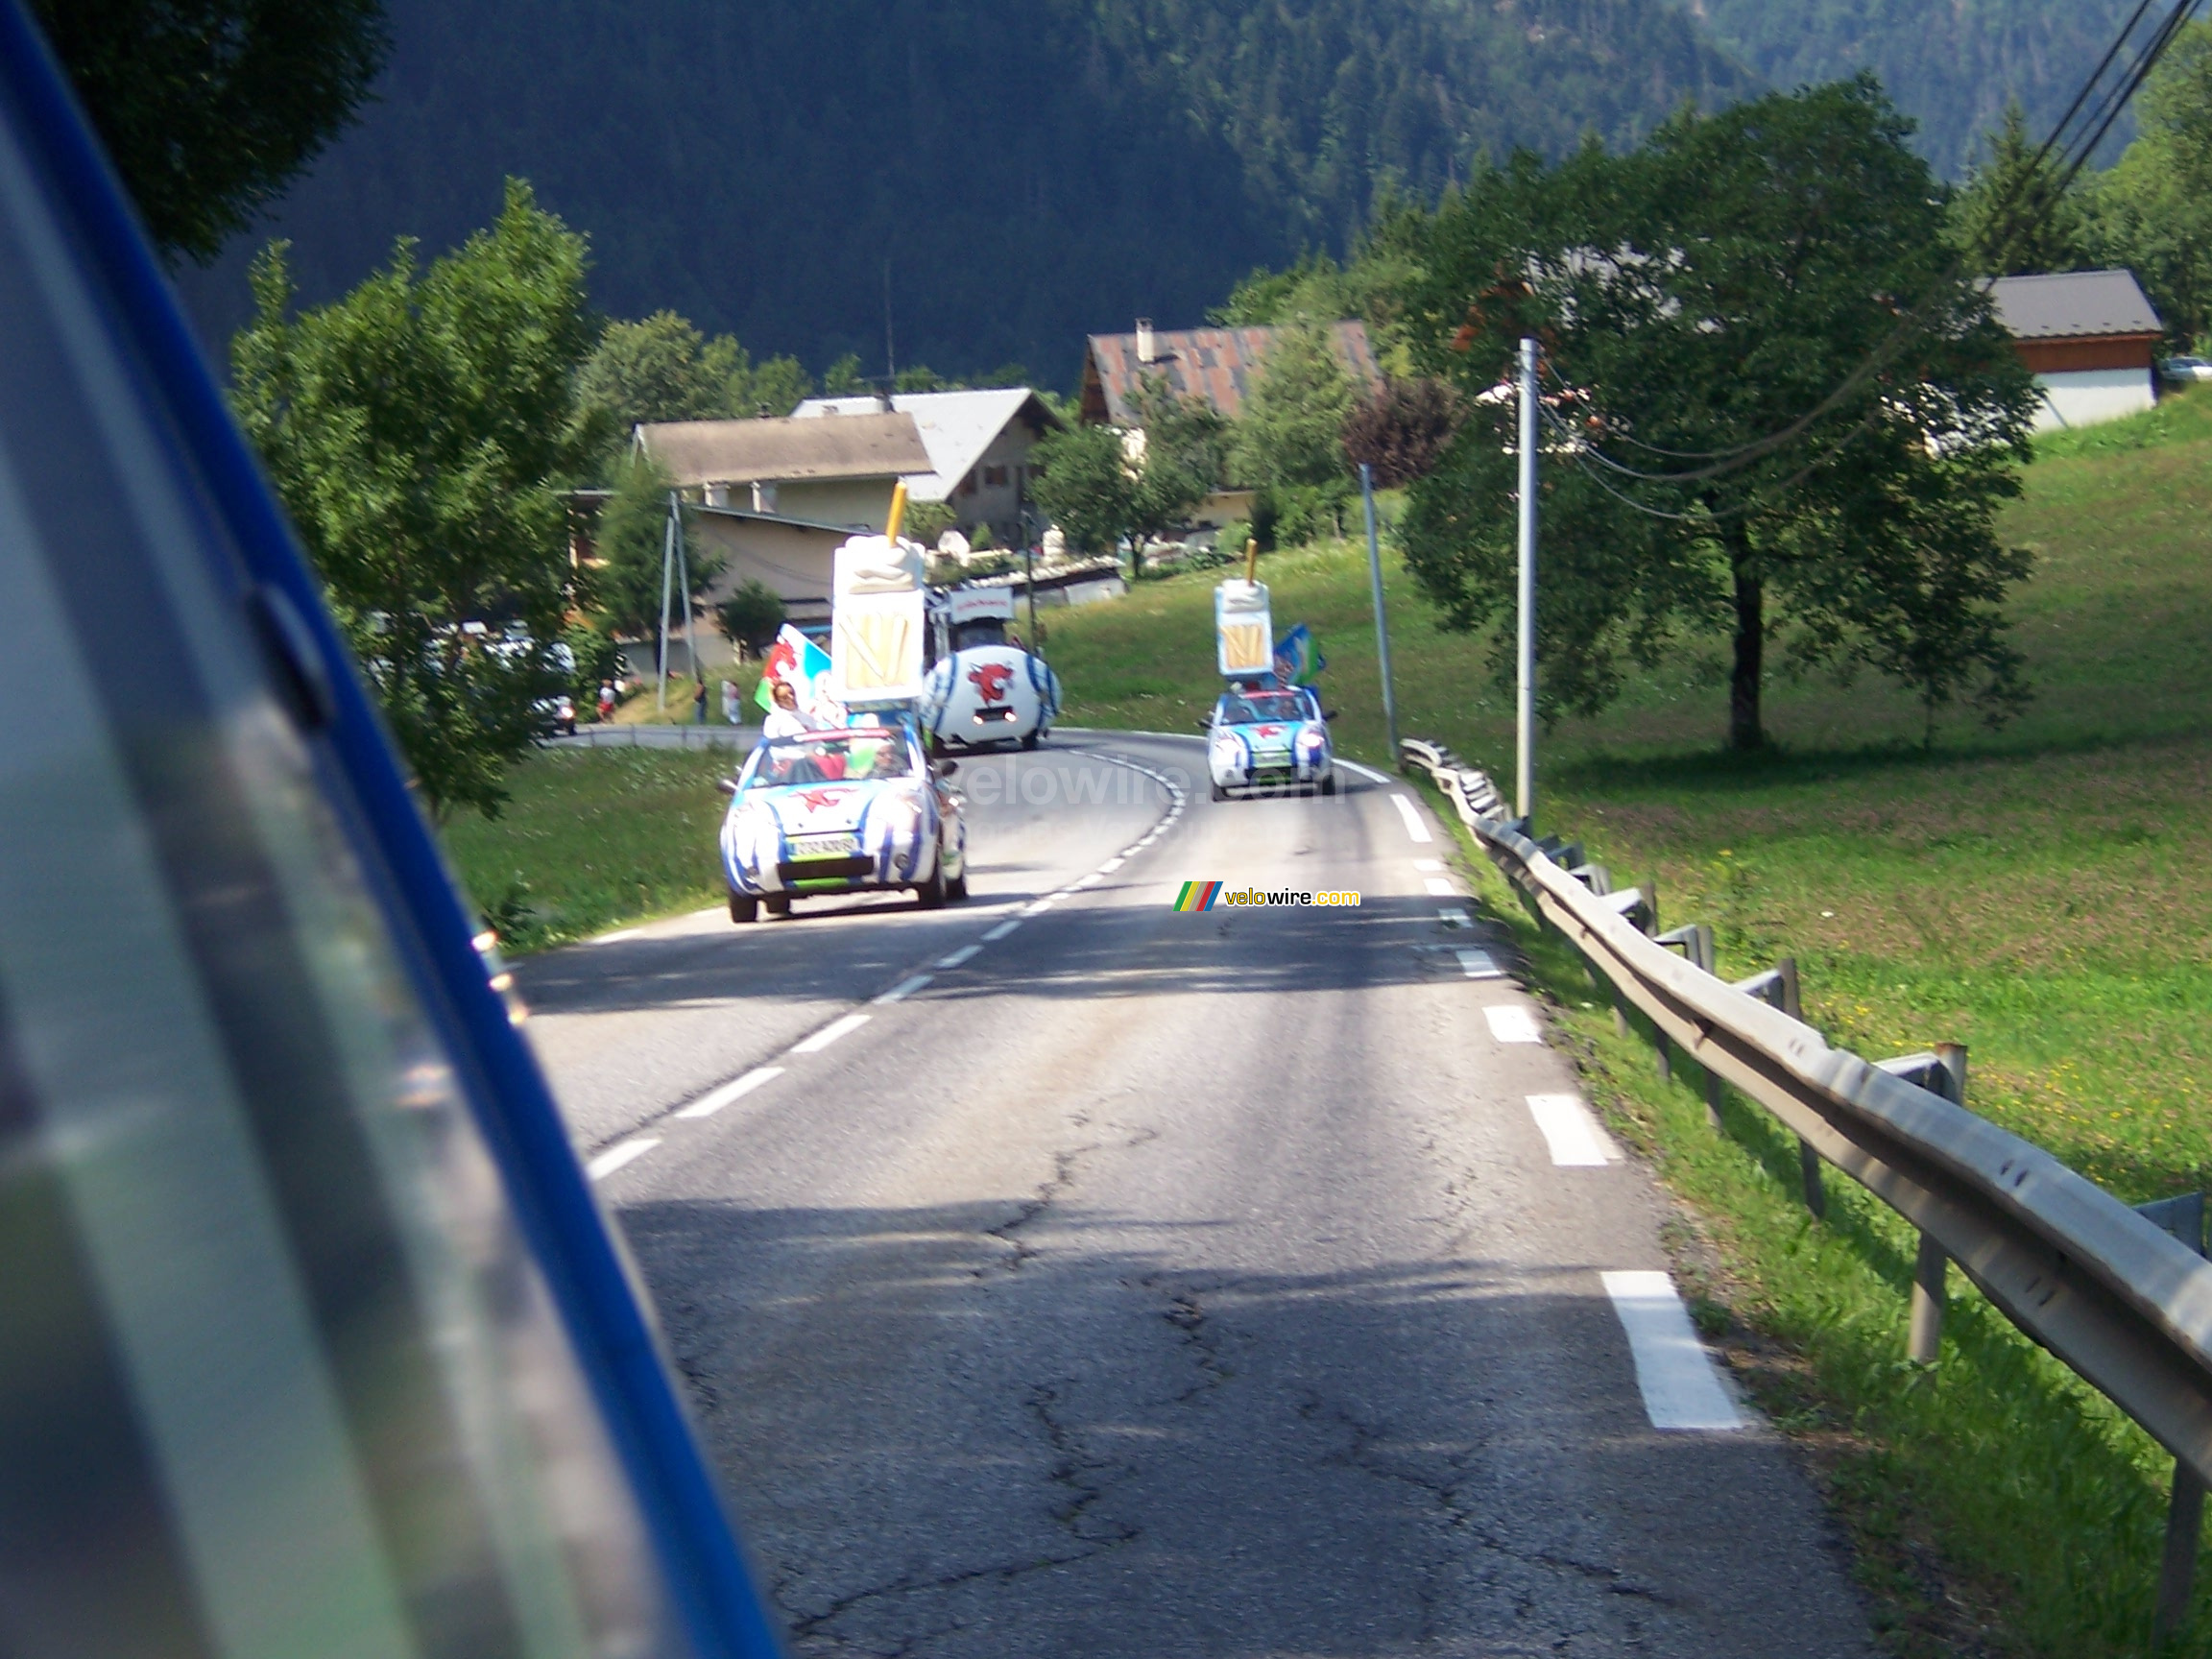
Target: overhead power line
2030 198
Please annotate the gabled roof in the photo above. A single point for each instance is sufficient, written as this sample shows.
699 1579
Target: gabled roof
2074 304
1216 365
784 451
956 427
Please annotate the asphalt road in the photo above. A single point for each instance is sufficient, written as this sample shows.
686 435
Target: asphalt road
1151 1283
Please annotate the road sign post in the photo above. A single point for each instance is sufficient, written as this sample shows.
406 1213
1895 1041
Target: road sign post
1524 713
1381 626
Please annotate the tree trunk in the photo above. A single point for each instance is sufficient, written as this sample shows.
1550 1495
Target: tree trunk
1745 731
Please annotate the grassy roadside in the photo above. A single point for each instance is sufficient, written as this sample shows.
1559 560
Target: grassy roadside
593 838
2043 894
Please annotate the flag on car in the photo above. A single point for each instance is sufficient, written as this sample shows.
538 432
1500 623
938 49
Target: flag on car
800 664
1298 659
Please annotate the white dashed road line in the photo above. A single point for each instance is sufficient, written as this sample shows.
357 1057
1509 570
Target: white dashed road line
1438 887
897 993
1414 824
1455 918
614 1157
830 1033
1090 881
1429 864
1001 930
1367 772
715 1099
1477 964
1673 1372
1510 1022
617 936
966 953
1573 1132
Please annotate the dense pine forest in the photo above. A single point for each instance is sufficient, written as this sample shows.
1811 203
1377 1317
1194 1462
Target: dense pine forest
1005 176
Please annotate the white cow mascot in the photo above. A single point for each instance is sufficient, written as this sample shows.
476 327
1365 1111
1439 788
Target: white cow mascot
983 689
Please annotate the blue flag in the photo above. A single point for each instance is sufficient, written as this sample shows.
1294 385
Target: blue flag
1298 659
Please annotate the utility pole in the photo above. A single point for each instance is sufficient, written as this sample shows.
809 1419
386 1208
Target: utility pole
1524 715
1381 628
667 578
683 586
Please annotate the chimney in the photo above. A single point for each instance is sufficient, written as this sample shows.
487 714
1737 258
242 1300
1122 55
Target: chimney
1147 345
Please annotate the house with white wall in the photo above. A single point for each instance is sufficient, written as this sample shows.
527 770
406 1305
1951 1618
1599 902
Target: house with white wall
978 445
2089 337
839 474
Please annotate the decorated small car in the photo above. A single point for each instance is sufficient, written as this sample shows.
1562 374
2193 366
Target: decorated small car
990 694
1265 739
850 809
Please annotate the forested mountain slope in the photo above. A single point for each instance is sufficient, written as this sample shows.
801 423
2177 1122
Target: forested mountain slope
1028 170
1951 65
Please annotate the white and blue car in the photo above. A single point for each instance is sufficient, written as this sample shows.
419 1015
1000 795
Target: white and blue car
1273 739
855 809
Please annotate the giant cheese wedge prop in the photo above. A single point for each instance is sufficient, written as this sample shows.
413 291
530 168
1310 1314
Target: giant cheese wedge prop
877 622
1244 629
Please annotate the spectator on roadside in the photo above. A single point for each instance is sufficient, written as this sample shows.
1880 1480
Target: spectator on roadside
606 700
729 701
699 703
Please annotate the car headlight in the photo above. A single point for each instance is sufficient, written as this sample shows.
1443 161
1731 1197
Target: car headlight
1227 750
902 812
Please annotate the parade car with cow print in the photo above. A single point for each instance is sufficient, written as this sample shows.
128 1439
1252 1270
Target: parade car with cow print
1269 739
850 810
989 694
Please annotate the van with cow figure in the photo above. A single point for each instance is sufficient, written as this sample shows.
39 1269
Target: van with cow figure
983 689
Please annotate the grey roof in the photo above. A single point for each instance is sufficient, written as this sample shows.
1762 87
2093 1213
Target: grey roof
956 427
2074 304
784 451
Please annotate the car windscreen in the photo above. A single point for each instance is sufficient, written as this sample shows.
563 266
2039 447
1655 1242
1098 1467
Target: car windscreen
1254 705
833 758
968 636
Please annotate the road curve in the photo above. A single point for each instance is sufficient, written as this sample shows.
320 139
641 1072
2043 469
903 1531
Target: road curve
1129 1282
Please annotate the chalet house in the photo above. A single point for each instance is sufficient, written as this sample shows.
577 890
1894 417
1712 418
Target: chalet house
978 445
1218 366
836 473
2089 337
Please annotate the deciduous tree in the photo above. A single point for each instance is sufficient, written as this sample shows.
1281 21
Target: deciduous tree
419 432
1758 309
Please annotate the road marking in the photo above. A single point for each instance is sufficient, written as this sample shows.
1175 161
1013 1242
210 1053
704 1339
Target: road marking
966 953
1038 907
1414 824
1428 863
614 1157
715 1099
1001 930
1113 864
1510 1022
1673 1371
830 1034
1363 771
1573 1132
1438 887
904 989
1478 965
1455 918
1090 881
619 936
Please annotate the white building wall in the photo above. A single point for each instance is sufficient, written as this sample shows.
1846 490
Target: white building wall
2085 396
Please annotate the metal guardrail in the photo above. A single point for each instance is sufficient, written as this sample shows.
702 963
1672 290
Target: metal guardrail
2110 1290
717 735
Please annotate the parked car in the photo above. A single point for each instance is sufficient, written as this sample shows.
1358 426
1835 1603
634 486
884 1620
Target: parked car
2181 371
851 809
1270 740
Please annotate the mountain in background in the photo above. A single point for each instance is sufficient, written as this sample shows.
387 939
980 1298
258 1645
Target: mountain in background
1014 173
1950 65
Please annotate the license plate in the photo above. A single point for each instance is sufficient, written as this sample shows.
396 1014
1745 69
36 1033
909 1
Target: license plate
824 847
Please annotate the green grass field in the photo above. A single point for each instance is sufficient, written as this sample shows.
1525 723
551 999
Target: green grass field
2042 893
593 838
